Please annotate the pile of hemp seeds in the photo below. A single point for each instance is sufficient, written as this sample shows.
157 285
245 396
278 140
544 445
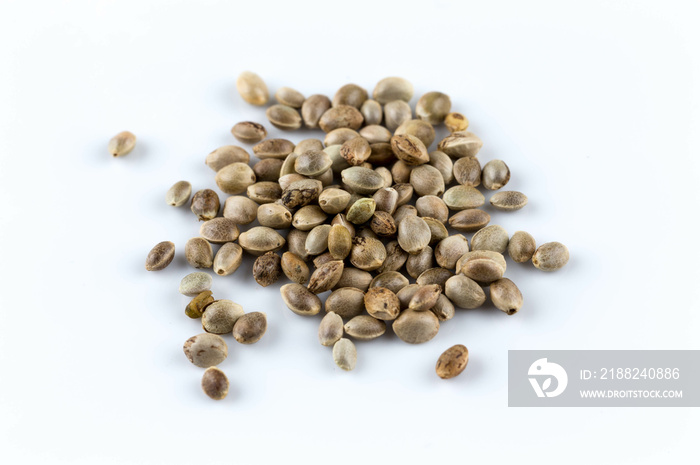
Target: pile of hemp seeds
369 209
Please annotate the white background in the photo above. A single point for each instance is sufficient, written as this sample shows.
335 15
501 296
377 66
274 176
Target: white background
593 105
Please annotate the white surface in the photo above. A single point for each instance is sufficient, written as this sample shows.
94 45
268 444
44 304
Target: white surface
593 105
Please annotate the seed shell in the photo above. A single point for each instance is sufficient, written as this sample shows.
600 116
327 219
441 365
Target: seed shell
252 88
330 330
345 354
121 144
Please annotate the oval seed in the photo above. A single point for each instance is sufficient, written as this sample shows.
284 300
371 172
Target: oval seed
267 269
492 237
467 171
463 197
160 256
550 256
228 259
226 155
521 247
356 151
354 278
198 253
195 283
347 302
220 316
482 270
341 116
273 148
197 305
456 122
331 329
464 292
406 294
405 192
437 276
506 296
350 94
469 220
372 112
215 383
508 200
205 204
296 243
264 192
417 264
477 254
367 253
252 88
313 108
275 216
308 217
205 350
121 144
259 240
416 327
345 354
339 242
294 268
375 134
395 258
383 224
410 150
325 277
401 172
403 211
438 231
495 174
427 180
396 113
333 201
423 130
340 136
393 88
178 194
425 297
381 303
240 209
451 249
386 199
443 163
249 132
290 97
300 300
301 193
452 362
312 163
219 230
414 234
308 144
444 309
364 327
433 206
362 180
317 240
392 280
235 178
433 107
461 144
250 328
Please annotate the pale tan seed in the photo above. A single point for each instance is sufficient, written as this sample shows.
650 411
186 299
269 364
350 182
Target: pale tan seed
290 97
348 302
367 254
195 283
392 280
423 130
375 134
461 144
219 230
160 256
405 192
414 234
401 172
259 240
386 199
313 108
462 197
325 277
467 171
333 200
356 151
286 180
433 107
469 220
381 303
443 163
322 259
308 217
372 112
508 200
365 328
296 243
425 297
350 94
205 204
427 180
464 292
249 132
406 294
521 247
340 136
410 150
240 209
252 88
267 269
301 193
294 268
438 231
330 330
224 156
354 278
273 148
362 180
274 215
486 254
506 296
492 237
121 144
228 259
215 384
403 211
178 194
308 144
434 207
250 328
449 250
345 354
393 88
456 122
495 174
419 263
341 116
416 327
452 362
312 163
299 300
550 256
264 192
396 113
198 253
317 240
220 316
386 175
482 270
205 350
235 178
436 275
444 309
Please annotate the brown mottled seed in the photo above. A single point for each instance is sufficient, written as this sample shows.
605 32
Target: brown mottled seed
219 230
317 240
452 362
406 294
414 234
434 207
425 297
341 116
449 250
521 247
215 383
427 180
345 354
273 148
364 328
433 107
235 178
348 302
410 150
249 132
301 193
325 277
550 256
205 204
492 237
356 151
463 197
299 300
264 192
290 97
367 253
438 231
461 144
205 350
508 200
372 112
436 275
423 130
268 169
267 269
308 217
381 303
197 305
250 328
252 88
443 163
506 296
330 330
456 122
240 209
444 309
495 174
274 215
198 253
228 259
121 144
362 180
416 327
160 256
339 241
294 268
469 220
482 270
195 283
178 194
405 192
392 280
464 292
313 108
259 240
226 155
340 136
350 94
333 200
479 254
396 113
220 316
312 163
393 88
467 171
383 224
419 263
